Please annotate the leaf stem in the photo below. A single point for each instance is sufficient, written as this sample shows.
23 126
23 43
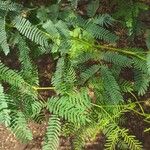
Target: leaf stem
43 88
97 47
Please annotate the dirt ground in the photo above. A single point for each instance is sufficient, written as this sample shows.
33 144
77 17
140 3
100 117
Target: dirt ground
9 142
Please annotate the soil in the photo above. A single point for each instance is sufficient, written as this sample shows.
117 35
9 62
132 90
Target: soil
9 142
136 127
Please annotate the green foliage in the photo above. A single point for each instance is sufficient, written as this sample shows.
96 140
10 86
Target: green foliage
92 8
103 20
14 79
148 63
28 69
114 136
117 59
147 120
3 40
64 77
4 111
132 143
9 6
112 140
126 86
141 82
140 65
19 127
148 39
101 33
30 31
87 80
73 107
88 73
53 133
128 12
111 86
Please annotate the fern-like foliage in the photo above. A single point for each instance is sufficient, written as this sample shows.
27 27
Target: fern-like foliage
111 86
73 108
87 79
141 82
148 63
49 26
88 73
148 39
130 140
29 71
14 79
3 39
10 76
108 123
112 139
126 86
140 65
85 134
30 31
10 6
112 130
128 12
117 59
19 127
92 8
4 110
103 20
64 77
53 133
101 33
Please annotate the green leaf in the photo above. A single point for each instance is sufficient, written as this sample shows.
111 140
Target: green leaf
4 111
92 8
14 79
141 82
148 39
8 5
132 143
20 127
3 36
31 31
52 134
148 62
111 86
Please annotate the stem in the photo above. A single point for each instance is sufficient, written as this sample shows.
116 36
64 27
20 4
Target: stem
121 51
101 107
138 112
97 47
43 88
137 102
104 111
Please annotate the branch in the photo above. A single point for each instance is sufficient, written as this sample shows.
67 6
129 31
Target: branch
43 88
